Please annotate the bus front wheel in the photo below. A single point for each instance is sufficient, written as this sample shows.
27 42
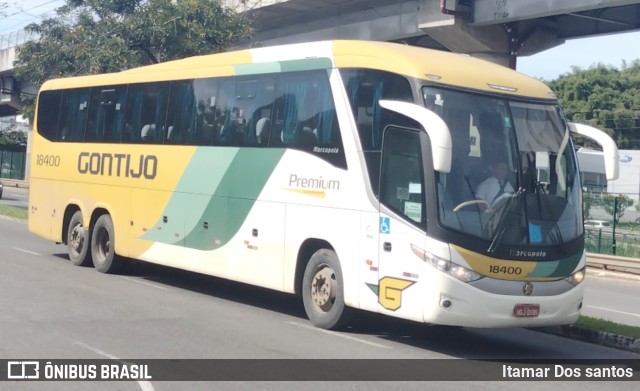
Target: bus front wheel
323 291
78 241
103 249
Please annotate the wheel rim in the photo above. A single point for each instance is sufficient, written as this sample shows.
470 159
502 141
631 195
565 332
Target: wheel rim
77 238
103 244
323 288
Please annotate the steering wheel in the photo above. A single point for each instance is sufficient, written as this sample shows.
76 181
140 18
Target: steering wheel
472 202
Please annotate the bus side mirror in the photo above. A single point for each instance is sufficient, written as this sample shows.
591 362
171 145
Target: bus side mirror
611 156
435 127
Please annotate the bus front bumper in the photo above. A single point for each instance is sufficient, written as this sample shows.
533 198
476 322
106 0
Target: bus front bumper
462 304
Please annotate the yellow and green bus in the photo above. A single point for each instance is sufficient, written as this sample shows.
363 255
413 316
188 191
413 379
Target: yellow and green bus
343 171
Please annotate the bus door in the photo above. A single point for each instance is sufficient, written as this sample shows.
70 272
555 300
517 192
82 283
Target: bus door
402 218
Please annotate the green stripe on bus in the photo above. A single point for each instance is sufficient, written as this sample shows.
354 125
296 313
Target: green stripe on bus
284 66
216 194
306 64
544 269
566 266
253 69
560 268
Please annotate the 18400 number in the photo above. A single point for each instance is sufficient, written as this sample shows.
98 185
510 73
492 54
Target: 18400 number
495 269
48 160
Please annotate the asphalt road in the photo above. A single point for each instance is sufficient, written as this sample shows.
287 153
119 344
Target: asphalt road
53 310
14 196
612 296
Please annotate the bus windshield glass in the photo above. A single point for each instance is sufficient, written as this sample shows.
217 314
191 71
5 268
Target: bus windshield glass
513 178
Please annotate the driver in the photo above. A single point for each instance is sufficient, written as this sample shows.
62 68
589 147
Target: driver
497 184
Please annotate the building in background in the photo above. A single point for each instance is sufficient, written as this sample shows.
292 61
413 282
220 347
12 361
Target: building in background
593 178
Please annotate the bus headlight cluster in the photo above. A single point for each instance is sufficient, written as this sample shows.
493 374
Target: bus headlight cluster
577 277
453 269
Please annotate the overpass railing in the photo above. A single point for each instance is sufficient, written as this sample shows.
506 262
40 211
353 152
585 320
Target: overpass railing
16 38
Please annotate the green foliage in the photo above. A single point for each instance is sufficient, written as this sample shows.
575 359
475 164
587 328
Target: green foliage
606 97
12 136
588 200
98 36
608 203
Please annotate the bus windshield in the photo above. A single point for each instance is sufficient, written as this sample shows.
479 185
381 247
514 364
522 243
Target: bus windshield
513 178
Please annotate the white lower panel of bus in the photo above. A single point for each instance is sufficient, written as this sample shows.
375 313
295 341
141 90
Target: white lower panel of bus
460 304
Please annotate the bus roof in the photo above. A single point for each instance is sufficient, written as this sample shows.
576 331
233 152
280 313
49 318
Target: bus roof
437 67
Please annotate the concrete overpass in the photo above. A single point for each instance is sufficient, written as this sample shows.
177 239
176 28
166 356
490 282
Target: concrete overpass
496 30
9 88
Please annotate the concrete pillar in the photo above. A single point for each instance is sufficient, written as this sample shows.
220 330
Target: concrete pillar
449 25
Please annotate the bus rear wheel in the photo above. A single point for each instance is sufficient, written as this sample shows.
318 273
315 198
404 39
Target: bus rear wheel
78 241
323 291
103 249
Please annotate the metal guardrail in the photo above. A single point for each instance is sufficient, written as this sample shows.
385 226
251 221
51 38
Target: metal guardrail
612 262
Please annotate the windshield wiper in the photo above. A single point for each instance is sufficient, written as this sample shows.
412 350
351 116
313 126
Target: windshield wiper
501 225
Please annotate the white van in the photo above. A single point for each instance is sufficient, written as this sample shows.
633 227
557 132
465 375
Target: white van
597 224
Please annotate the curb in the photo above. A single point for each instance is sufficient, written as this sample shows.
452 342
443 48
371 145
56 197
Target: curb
598 337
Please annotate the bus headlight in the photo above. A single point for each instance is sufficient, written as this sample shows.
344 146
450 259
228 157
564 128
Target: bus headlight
577 277
453 269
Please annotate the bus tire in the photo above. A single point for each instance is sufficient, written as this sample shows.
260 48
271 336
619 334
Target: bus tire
323 291
78 241
103 250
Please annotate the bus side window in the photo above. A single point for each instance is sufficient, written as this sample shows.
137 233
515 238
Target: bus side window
181 115
49 113
73 114
106 108
224 112
365 88
304 116
255 98
205 91
146 112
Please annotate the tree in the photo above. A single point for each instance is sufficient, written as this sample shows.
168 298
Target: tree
98 36
11 136
605 97
608 202
587 203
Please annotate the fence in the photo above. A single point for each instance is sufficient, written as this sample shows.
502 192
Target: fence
602 235
13 161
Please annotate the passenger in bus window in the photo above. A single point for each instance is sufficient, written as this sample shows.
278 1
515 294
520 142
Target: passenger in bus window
237 133
148 132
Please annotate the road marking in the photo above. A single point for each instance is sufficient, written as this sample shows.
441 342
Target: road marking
619 312
144 385
377 345
26 251
143 282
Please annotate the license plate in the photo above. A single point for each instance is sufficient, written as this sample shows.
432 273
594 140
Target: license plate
526 310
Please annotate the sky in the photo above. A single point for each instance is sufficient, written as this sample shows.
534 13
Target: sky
20 13
582 52
546 65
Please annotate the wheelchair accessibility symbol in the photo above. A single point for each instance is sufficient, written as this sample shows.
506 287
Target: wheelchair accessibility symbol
385 225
